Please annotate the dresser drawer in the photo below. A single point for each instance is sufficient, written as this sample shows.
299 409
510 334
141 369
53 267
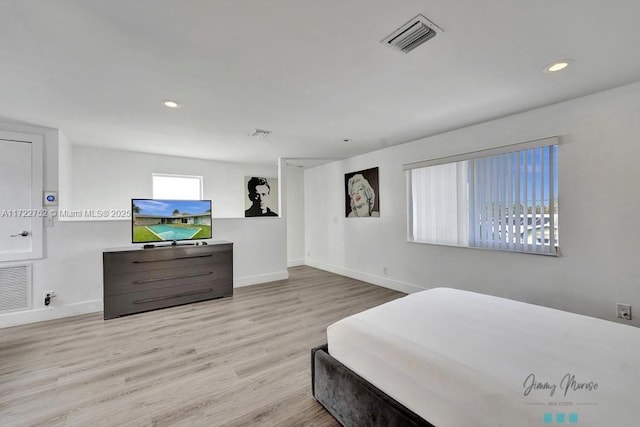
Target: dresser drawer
152 259
122 283
136 302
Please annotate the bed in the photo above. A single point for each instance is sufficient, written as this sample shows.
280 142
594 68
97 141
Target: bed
449 358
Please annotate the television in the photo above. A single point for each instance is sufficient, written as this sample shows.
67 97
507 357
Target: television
154 220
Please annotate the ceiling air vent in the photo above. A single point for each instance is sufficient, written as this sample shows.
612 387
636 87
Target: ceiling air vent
412 34
260 133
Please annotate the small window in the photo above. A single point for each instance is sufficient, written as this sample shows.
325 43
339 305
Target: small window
180 187
505 198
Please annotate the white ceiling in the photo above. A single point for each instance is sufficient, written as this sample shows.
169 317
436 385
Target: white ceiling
313 72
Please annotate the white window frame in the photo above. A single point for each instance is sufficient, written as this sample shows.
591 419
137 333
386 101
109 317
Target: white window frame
490 174
175 196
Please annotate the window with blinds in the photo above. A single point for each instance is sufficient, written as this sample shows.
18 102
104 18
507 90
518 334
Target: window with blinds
504 198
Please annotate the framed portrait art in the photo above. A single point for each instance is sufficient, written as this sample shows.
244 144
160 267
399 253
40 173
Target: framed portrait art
361 194
261 196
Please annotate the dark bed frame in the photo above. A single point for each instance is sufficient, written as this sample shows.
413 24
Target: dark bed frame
351 399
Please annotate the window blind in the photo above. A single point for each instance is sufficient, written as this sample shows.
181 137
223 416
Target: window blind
503 198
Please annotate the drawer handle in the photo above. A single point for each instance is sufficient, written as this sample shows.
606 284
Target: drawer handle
171 259
159 279
184 294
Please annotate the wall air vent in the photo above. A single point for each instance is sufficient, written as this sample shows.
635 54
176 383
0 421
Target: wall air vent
412 34
15 288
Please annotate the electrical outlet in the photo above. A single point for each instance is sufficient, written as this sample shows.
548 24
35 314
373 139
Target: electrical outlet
47 297
385 270
624 311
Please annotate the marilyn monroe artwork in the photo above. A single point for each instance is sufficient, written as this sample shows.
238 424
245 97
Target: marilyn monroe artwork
361 194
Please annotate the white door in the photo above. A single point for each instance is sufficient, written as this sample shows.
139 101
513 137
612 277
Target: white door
21 213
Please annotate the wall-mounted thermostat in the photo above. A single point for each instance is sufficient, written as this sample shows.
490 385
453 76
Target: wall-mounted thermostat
50 198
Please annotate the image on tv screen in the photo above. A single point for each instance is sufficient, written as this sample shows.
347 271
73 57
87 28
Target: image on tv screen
170 220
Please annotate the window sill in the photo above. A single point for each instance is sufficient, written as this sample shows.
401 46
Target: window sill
557 253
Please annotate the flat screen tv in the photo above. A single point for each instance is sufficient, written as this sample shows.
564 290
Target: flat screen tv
170 221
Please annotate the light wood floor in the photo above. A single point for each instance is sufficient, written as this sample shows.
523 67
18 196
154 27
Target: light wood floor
230 362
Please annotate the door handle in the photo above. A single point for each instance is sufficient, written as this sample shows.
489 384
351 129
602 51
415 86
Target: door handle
23 234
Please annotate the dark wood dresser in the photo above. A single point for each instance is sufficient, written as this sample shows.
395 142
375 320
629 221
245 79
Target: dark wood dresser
137 279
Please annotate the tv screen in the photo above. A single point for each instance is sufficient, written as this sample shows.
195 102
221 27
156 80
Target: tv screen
154 220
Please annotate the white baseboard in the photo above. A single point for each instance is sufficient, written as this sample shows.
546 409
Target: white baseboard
263 278
95 306
295 262
49 313
385 282
53 312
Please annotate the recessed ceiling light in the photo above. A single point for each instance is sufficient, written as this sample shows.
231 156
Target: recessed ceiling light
557 66
171 104
346 140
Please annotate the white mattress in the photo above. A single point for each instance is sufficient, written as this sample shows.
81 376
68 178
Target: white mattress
460 358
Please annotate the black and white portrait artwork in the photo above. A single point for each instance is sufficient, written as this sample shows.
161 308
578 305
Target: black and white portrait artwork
261 197
362 194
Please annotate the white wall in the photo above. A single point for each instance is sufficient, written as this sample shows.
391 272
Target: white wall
599 203
109 179
295 215
64 172
72 264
